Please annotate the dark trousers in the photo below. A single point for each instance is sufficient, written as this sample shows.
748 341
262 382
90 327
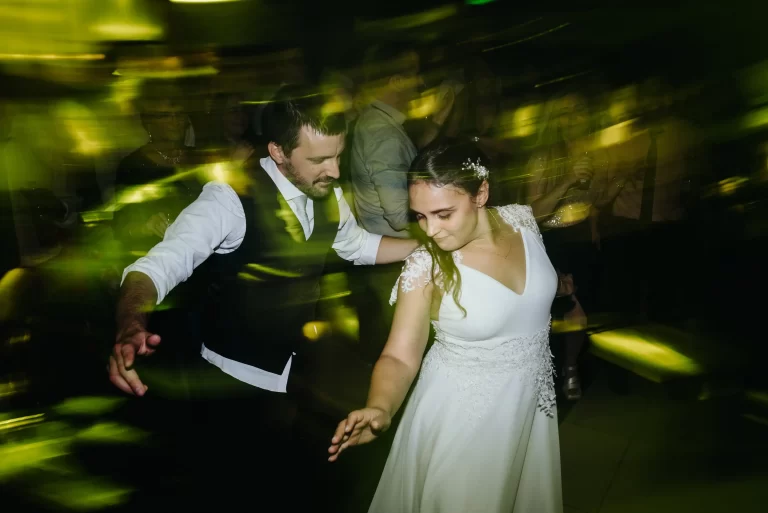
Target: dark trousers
221 445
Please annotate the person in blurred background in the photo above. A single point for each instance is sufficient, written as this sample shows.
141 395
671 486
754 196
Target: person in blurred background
477 116
646 198
344 94
479 432
235 130
561 193
477 107
41 177
144 217
381 153
266 246
428 118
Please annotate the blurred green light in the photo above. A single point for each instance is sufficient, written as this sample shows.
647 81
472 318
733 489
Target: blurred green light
654 352
111 432
84 494
88 405
478 2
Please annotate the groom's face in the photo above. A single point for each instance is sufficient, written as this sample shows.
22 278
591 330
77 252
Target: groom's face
313 166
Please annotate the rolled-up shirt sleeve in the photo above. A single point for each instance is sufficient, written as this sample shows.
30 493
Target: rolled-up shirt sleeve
214 222
388 161
353 243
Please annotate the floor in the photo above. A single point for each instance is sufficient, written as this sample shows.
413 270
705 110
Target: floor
642 447
645 451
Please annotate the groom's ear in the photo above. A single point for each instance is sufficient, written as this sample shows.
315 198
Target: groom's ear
276 152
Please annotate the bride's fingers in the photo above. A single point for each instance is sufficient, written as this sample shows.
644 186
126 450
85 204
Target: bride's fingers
334 457
336 450
351 440
339 433
352 420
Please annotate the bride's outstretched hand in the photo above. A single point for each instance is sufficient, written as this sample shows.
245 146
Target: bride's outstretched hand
360 427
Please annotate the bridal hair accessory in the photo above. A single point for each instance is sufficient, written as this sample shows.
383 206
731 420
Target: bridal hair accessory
479 170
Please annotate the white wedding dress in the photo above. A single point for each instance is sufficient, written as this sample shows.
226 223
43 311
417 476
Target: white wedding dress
479 433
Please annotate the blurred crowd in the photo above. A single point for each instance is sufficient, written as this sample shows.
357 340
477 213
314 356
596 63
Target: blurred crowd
613 170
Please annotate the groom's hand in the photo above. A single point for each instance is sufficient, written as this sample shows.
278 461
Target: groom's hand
360 427
130 343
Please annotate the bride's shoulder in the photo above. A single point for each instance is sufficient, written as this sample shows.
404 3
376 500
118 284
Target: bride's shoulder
416 273
519 216
418 262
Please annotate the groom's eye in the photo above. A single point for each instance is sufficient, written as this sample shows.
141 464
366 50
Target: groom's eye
443 216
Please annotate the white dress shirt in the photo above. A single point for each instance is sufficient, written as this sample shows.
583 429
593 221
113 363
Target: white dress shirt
215 223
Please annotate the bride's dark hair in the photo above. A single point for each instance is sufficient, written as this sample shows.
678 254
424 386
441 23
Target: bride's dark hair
446 165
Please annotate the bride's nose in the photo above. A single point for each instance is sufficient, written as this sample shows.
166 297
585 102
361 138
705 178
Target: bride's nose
432 228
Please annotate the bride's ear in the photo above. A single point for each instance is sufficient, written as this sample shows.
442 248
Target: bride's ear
483 193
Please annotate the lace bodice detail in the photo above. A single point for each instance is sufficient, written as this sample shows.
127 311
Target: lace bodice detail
519 216
479 370
417 271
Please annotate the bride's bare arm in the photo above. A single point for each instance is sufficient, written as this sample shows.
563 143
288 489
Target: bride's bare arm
399 363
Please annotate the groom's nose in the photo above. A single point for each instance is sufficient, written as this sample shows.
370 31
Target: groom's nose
332 169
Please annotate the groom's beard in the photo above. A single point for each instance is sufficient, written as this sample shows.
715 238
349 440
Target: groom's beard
318 189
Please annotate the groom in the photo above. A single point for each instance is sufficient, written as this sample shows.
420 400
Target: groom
264 247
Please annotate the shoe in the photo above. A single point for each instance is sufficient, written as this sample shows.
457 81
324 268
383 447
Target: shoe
572 385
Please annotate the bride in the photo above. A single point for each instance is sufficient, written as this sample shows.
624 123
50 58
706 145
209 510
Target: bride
479 433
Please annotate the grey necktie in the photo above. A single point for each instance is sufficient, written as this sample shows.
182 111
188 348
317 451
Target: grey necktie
300 202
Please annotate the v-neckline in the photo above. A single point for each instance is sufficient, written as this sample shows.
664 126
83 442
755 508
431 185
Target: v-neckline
527 268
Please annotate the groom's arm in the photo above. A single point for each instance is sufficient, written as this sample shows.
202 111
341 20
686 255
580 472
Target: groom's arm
355 244
214 222
211 223
392 249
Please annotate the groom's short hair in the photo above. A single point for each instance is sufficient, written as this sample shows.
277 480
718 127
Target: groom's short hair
295 107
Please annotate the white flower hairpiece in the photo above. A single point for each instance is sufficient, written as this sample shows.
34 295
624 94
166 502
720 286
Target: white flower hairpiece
479 170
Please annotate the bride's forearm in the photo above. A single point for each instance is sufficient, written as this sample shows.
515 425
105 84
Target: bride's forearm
391 380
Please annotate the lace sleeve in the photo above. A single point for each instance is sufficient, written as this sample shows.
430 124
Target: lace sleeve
520 216
416 274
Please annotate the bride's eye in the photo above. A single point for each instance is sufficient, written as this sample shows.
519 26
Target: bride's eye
443 216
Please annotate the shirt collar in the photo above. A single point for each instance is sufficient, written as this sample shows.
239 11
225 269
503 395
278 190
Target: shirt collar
395 114
286 188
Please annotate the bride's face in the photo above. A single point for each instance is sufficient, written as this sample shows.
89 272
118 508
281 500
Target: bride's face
447 214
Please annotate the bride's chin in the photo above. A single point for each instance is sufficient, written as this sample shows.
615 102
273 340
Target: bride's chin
446 245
